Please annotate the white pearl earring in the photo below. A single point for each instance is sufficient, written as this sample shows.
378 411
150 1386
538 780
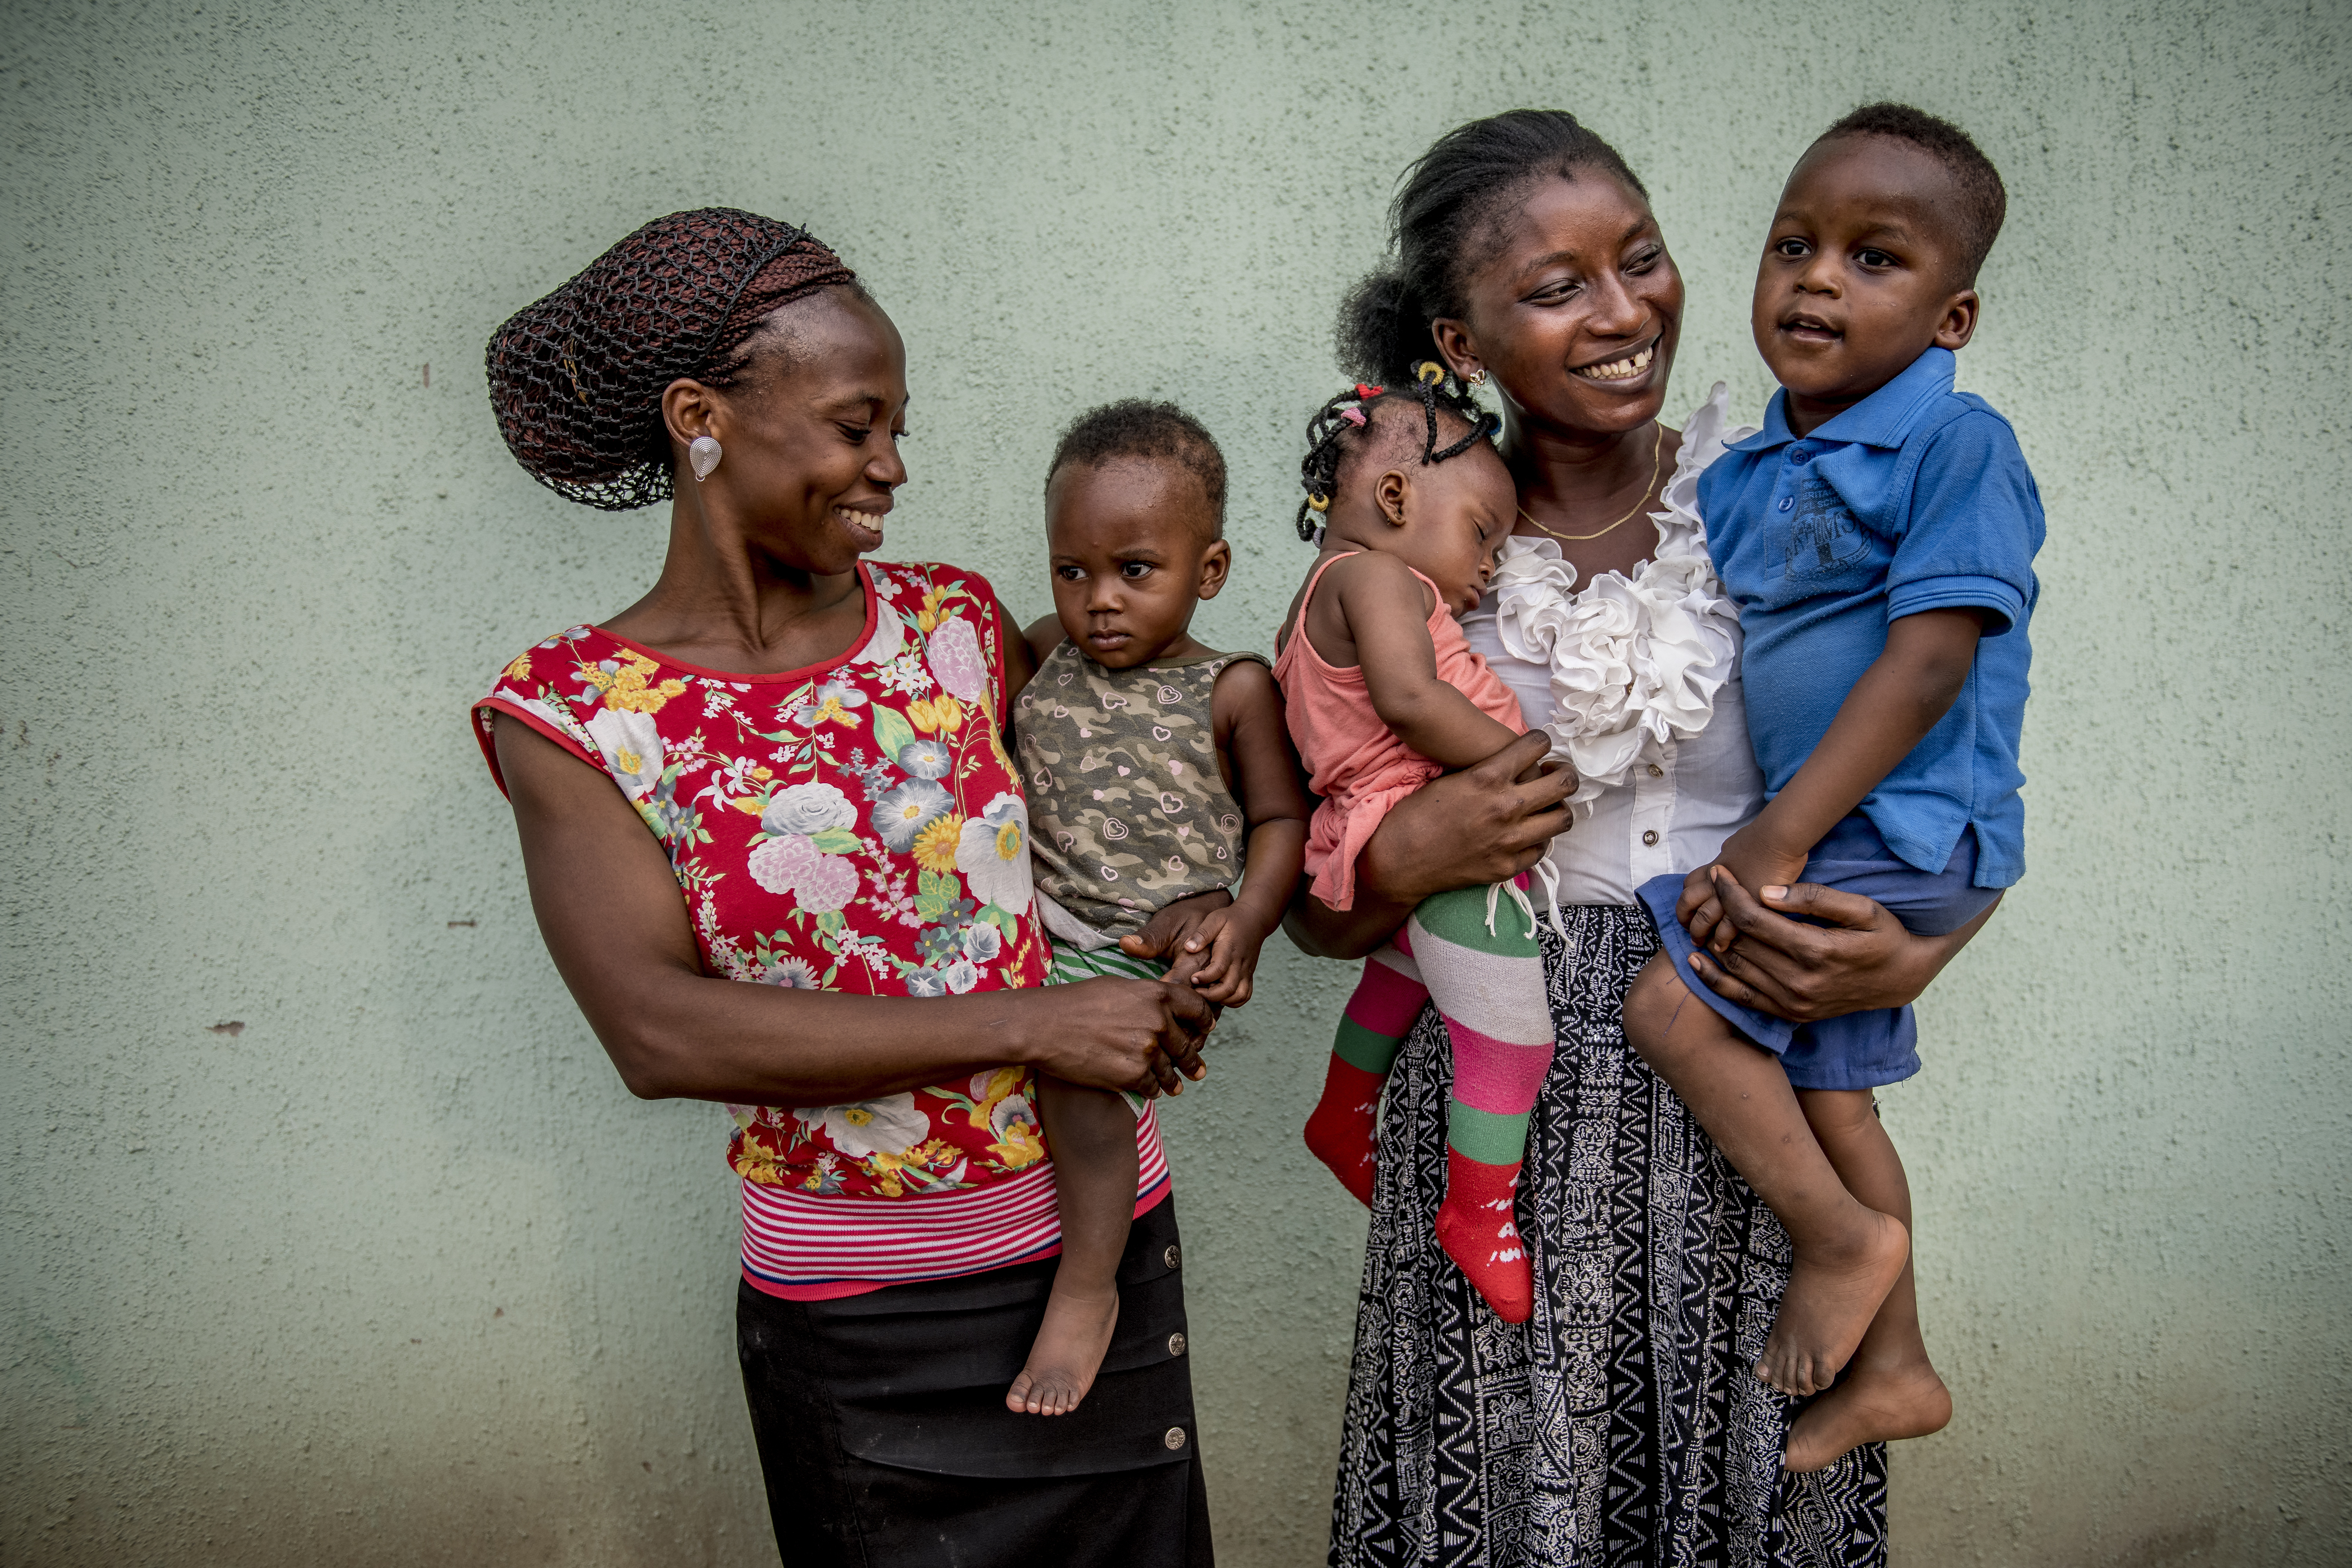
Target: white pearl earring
702 456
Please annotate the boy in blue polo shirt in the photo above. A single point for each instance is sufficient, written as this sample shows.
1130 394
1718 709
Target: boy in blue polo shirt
1878 536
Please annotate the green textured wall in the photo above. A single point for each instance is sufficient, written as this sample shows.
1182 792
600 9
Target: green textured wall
396 1272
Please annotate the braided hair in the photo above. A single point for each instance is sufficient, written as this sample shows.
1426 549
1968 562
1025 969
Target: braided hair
1452 211
1342 427
576 379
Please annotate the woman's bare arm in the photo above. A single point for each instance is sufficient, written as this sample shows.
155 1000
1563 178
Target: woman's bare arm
610 911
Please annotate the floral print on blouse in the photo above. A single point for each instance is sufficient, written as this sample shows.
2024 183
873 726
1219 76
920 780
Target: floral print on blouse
853 826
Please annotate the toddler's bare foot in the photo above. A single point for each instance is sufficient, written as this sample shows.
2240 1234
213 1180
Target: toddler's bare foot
1873 1405
1071 1344
1835 1290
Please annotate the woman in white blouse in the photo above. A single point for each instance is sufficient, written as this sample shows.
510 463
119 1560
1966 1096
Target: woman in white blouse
1621 1424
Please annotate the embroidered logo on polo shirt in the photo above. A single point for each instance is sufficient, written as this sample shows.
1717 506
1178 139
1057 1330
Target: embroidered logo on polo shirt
1819 538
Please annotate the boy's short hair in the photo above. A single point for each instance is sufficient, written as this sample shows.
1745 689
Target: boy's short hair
1138 427
1975 220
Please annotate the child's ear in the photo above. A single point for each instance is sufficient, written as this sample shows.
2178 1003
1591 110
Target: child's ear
1216 565
1959 323
1389 493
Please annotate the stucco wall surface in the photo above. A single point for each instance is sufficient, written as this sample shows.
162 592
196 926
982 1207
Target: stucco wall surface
332 1236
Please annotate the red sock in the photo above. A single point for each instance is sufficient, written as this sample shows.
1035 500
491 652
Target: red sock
1339 1130
1476 1228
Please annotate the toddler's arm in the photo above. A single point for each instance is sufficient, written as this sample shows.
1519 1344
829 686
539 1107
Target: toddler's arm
1386 612
1905 694
1219 955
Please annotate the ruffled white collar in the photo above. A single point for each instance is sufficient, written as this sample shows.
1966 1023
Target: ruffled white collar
1636 661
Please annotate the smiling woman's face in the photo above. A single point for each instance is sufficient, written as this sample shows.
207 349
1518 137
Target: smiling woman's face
1576 315
808 435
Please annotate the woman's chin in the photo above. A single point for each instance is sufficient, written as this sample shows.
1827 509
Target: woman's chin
1587 404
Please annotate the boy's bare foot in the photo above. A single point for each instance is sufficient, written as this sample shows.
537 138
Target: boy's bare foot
1873 1405
1070 1347
1833 1292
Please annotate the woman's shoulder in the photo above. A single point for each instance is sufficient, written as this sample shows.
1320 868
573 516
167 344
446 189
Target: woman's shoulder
550 684
937 581
552 666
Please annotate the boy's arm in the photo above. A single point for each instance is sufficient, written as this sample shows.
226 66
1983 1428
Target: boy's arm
1386 613
1905 694
1252 734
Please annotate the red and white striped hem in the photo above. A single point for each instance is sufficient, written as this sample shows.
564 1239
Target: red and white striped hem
802 1247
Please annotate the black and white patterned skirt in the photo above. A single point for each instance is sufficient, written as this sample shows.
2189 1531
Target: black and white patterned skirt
1620 1424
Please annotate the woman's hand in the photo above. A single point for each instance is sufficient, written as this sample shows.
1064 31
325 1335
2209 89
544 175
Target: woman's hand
1106 1033
1861 958
1483 824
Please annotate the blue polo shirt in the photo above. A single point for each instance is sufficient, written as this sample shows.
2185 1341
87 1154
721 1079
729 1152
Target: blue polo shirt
1916 498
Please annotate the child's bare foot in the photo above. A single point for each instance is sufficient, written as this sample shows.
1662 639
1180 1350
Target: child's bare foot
1834 1290
1071 1344
1872 1405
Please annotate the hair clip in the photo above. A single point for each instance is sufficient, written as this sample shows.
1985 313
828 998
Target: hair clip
1369 393
1429 372
1354 416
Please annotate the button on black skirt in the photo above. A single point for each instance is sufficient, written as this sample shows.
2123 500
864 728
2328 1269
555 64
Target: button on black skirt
886 1443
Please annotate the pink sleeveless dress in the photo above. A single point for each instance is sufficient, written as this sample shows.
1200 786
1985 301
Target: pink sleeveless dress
1359 768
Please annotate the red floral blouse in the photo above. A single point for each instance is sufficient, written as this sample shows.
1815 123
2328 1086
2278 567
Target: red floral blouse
853 826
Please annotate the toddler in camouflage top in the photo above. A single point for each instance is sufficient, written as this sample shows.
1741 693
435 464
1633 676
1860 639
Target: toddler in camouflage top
1155 771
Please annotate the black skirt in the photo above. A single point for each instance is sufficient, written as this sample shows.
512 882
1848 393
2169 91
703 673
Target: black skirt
886 1443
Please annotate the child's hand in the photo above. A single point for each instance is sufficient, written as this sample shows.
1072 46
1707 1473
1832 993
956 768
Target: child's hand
1220 955
1164 937
1753 865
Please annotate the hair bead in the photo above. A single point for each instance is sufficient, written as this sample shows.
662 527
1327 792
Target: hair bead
1352 411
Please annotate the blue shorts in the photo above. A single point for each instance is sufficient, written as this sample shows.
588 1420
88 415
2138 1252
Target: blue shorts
1859 1050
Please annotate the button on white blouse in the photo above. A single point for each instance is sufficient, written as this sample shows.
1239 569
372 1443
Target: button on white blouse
1638 681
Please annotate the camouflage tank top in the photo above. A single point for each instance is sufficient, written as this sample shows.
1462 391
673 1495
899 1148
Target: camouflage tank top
1128 812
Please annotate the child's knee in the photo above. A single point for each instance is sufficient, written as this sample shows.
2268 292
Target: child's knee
1840 1112
1656 995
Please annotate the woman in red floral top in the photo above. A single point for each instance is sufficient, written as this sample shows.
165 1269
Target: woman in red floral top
780 856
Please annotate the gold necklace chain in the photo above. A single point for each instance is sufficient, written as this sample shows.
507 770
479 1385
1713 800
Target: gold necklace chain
1657 456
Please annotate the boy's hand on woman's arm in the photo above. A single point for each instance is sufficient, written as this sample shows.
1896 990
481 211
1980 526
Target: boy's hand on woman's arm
1700 908
1220 955
1168 932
